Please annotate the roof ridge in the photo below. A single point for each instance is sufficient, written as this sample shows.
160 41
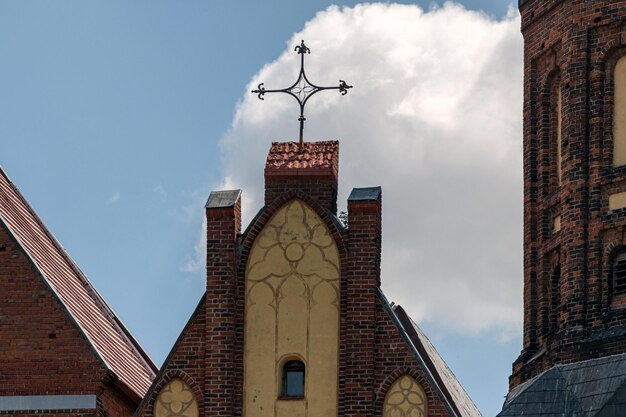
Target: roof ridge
107 313
43 274
435 349
569 390
91 290
396 320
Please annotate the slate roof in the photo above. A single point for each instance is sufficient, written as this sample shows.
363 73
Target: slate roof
459 403
592 388
113 344
320 156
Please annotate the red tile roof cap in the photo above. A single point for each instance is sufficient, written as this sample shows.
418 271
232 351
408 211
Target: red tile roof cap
315 158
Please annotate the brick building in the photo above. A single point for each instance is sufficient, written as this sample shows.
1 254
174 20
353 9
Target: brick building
63 352
573 360
293 321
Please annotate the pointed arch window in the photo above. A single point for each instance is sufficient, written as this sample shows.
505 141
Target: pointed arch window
293 379
619 273
405 398
619 113
556 131
555 298
558 97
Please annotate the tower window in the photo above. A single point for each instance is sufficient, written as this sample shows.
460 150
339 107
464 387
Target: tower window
558 97
555 298
619 273
619 109
293 379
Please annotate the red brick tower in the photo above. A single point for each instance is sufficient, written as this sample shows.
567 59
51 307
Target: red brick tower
574 183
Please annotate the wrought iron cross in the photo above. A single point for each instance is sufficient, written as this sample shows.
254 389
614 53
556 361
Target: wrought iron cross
302 89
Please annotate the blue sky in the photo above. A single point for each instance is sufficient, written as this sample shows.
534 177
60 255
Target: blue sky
117 119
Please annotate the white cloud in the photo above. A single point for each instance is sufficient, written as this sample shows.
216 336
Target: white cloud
113 199
435 118
160 192
197 262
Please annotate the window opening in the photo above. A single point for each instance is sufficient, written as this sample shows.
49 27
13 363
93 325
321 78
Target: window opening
619 117
619 273
559 132
293 379
555 298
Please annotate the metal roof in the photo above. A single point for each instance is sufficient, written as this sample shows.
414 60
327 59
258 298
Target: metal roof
223 199
592 388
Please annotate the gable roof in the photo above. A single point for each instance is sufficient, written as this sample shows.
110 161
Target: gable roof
109 338
591 388
449 386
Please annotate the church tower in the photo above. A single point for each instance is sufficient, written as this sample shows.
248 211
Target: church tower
574 183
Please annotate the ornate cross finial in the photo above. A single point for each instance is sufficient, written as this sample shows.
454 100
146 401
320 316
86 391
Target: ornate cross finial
302 89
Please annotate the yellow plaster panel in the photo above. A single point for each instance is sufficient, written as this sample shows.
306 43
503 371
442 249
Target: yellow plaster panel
617 201
176 400
292 311
405 398
556 222
619 114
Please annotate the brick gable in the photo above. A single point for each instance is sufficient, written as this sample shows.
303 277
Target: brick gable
373 350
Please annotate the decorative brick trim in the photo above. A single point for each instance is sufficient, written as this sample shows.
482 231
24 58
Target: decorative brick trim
383 387
162 381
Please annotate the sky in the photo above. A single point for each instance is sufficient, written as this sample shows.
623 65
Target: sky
117 119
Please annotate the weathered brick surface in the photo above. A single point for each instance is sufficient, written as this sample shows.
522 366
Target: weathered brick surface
372 353
185 361
320 190
42 351
576 44
394 359
362 278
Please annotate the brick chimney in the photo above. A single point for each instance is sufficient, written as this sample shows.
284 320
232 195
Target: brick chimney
312 169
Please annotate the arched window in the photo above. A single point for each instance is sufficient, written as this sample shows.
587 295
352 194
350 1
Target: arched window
555 298
619 273
559 131
619 113
293 379
556 130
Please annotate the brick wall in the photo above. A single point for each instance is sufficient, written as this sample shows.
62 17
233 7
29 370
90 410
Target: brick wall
185 361
42 351
362 278
393 359
576 43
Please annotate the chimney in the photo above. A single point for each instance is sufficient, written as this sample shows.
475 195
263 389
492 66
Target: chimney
312 169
